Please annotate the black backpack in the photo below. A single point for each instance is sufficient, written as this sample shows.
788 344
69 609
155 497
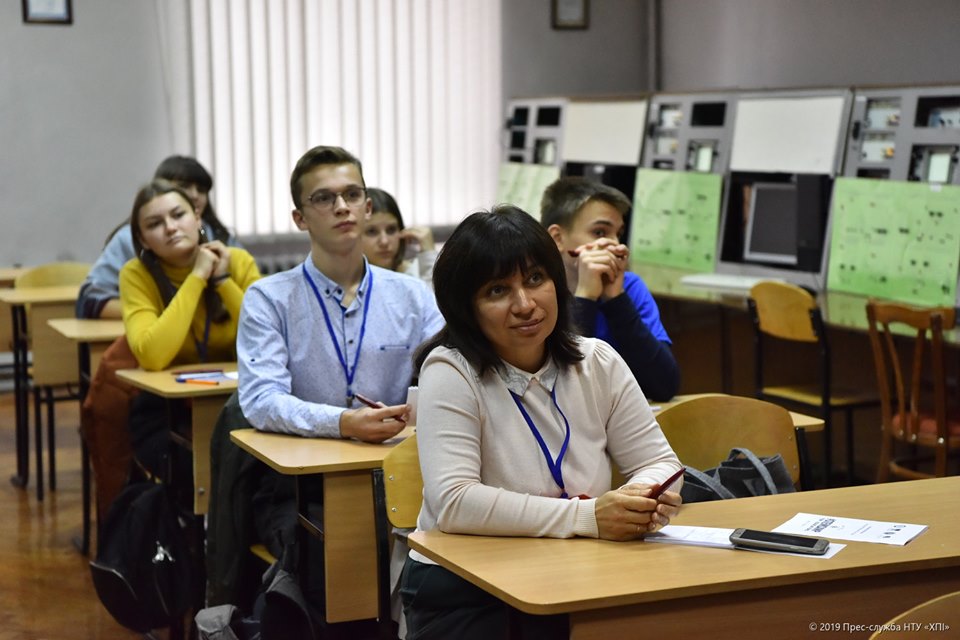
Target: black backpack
143 572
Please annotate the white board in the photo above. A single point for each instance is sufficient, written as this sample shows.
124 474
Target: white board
790 135
603 132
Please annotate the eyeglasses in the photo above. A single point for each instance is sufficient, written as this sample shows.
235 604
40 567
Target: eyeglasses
325 200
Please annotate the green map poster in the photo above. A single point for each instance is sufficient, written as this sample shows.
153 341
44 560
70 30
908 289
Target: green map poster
676 216
522 185
895 240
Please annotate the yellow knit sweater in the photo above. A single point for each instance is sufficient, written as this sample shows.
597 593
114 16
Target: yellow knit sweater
160 337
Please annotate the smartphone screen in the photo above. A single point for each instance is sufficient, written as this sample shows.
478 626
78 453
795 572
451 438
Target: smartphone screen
753 539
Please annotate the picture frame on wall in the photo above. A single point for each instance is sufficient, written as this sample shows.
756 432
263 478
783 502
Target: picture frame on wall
570 14
48 11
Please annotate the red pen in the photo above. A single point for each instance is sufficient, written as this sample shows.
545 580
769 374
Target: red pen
375 405
666 484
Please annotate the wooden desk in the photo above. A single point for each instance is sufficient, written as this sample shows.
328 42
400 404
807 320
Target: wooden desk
614 589
808 423
92 338
349 536
45 303
840 310
207 401
9 274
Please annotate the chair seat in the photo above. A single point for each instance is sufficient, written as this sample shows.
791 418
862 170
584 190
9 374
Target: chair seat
809 394
927 428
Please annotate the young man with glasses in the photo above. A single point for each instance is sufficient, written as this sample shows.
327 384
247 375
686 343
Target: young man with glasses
313 338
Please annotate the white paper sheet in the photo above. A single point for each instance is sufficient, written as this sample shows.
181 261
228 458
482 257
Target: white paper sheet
809 524
697 536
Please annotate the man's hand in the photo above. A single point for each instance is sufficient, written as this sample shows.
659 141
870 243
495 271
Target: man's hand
373 425
600 269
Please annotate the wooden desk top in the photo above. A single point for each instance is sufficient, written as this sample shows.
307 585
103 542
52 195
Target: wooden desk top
296 455
40 295
9 274
544 576
88 330
809 423
164 383
664 282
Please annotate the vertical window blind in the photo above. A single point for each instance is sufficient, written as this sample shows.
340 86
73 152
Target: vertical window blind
411 87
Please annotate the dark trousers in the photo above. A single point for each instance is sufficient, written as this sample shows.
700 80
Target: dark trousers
438 604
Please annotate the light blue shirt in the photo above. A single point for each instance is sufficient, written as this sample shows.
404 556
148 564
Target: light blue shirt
291 379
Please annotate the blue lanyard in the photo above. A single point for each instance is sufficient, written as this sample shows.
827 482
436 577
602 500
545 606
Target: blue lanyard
202 346
348 372
556 467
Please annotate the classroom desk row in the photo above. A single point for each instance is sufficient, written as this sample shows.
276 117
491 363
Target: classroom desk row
840 310
45 303
349 536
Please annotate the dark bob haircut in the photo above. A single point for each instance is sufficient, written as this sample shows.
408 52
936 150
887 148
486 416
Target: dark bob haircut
489 245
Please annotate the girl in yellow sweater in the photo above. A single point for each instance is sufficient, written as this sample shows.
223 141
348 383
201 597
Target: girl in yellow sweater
181 303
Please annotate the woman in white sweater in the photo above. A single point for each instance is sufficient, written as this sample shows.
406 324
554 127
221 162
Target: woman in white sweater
519 420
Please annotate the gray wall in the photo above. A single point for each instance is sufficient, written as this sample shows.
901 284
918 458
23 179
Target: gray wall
83 120
85 115
607 58
792 43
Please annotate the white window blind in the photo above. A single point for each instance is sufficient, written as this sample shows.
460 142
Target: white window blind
411 87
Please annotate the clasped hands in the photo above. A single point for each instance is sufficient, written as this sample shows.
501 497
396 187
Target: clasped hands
213 261
600 268
628 513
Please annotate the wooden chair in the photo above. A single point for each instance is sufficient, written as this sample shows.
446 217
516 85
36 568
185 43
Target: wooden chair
702 432
54 357
928 618
787 312
912 418
398 492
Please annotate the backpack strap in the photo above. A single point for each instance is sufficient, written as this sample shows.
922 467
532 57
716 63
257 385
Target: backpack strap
758 465
710 482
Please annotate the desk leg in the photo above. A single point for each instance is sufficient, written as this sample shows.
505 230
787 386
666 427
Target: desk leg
726 359
86 376
20 395
350 546
204 414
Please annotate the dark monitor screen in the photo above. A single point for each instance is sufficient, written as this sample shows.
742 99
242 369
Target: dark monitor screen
520 116
771 234
548 117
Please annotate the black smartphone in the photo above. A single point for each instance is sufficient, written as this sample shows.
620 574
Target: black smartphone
770 541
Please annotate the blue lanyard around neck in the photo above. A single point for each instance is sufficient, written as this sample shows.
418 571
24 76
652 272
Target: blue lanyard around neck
202 346
556 467
348 372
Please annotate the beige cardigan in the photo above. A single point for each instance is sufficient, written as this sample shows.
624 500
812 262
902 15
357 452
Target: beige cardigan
483 470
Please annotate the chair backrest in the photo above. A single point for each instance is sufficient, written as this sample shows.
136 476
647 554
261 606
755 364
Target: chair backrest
54 356
403 484
783 310
702 431
901 395
942 611
53 274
